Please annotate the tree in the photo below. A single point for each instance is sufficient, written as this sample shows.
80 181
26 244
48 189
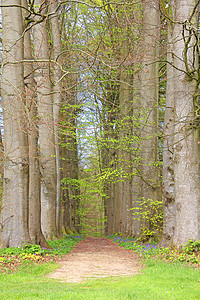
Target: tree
168 144
186 133
34 205
149 104
46 124
57 102
14 213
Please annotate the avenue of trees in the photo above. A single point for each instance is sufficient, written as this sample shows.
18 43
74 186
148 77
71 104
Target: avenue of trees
100 108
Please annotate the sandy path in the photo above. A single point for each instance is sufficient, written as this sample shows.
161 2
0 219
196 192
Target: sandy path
95 258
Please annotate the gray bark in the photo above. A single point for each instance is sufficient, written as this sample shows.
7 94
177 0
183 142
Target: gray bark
46 129
71 156
109 159
108 155
168 144
14 214
34 172
149 102
124 186
136 179
57 100
186 137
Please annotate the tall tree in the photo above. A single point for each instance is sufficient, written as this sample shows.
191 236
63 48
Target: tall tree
124 193
57 102
14 214
46 123
186 134
69 115
34 206
168 144
149 101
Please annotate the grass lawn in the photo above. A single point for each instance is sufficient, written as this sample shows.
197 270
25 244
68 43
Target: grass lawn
158 280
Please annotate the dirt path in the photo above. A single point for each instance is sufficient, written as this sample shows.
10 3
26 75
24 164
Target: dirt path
95 258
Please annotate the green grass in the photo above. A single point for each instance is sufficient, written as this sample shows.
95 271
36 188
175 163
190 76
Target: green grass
159 280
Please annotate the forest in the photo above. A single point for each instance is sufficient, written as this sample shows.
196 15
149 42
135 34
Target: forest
100 129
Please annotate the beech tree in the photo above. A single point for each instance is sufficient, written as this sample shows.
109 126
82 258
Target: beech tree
14 211
57 102
168 143
46 125
185 79
34 204
149 103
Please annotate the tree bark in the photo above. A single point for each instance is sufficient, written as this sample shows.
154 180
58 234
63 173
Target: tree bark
186 137
46 128
149 103
168 144
109 157
71 156
32 120
136 156
57 100
14 214
124 185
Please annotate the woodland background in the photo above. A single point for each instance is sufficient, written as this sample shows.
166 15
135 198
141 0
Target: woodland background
100 130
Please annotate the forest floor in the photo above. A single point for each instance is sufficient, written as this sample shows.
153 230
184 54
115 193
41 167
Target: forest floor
96 258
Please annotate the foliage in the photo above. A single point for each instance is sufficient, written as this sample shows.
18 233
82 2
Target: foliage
10 258
190 252
90 210
150 213
191 247
33 249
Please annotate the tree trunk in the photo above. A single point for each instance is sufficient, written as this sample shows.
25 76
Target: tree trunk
136 156
109 156
168 144
34 172
186 136
149 103
46 128
64 190
57 100
124 185
72 169
14 214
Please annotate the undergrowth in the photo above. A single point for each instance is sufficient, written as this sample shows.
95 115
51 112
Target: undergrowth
13 257
190 252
